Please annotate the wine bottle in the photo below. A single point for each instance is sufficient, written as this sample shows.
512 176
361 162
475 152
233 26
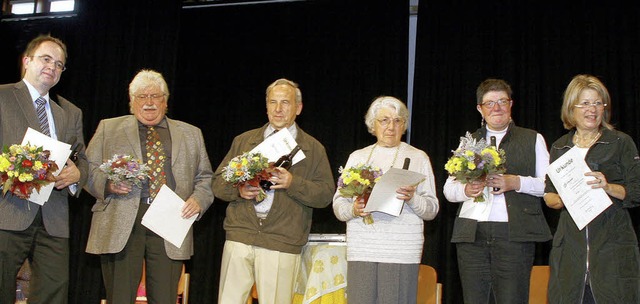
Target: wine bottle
407 161
493 144
284 162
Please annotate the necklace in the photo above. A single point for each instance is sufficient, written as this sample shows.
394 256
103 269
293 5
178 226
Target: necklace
593 140
393 162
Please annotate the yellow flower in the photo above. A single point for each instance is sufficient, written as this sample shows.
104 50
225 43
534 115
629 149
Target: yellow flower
471 166
494 155
25 177
37 165
4 164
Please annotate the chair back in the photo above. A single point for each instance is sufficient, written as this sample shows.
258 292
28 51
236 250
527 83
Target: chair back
539 284
429 290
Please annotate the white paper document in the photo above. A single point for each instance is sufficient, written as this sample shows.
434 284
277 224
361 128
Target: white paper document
478 211
59 154
164 217
583 203
278 144
383 197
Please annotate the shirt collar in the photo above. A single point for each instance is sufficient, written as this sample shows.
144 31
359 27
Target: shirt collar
270 130
162 124
34 93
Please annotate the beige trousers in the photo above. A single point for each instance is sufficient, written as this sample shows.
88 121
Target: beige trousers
273 272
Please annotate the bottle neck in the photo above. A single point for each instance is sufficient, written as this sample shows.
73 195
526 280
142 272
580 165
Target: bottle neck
286 160
294 151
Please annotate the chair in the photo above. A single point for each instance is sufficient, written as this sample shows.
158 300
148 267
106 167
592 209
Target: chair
539 284
254 295
183 288
429 290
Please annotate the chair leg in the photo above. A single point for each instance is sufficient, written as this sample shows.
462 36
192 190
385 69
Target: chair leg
185 292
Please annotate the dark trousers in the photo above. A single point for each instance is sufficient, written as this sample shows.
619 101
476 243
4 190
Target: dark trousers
493 263
49 259
122 271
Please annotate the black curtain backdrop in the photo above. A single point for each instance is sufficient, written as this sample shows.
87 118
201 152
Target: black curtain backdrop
537 46
218 62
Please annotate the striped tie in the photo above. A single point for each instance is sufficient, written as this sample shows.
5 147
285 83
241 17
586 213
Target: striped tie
42 115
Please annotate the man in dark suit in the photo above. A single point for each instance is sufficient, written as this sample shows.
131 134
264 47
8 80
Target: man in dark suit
28 230
117 233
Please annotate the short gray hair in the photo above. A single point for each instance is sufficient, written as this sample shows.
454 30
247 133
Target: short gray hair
389 102
284 81
146 78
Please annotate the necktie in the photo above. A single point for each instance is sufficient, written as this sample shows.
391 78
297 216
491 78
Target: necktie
155 160
42 115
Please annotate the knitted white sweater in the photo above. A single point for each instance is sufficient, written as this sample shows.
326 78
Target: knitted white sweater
390 239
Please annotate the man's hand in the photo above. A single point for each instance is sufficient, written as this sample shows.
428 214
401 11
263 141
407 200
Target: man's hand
190 208
69 175
118 188
281 178
248 192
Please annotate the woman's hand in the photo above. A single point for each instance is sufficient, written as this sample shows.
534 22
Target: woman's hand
406 193
553 200
358 207
614 190
474 188
600 180
504 182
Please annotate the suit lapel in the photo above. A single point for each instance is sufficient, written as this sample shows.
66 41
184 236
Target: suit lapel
60 120
132 137
177 139
23 98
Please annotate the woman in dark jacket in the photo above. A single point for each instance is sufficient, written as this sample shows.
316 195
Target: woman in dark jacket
601 262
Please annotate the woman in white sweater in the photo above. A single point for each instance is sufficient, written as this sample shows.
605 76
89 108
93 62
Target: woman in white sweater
384 257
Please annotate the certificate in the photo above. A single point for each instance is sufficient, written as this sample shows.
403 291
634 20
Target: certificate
278 144
383 196
583 203
59 154
164 217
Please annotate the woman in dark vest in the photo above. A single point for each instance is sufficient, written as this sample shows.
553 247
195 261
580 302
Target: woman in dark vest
495 239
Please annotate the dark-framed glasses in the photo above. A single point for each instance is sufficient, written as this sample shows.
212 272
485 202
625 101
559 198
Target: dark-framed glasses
153 97
46 59
387 121
586 103
492 103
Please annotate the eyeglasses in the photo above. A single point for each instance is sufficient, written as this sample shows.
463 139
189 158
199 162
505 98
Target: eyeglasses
46 59
491 103
387 120
587 104
153 97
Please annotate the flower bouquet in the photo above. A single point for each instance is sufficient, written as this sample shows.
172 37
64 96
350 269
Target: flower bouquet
24 168
358 181
125 168
474 160
248 168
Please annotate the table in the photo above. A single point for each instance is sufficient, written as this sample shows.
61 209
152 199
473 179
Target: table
322 277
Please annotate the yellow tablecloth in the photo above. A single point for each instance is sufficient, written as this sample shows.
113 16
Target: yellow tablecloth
323 275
